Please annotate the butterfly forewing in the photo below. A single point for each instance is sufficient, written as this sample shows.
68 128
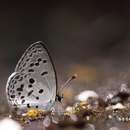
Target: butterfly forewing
34 82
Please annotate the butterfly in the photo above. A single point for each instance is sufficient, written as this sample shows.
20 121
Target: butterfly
34 81
33 84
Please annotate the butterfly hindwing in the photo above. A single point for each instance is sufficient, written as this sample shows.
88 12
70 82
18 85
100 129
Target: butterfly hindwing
34 80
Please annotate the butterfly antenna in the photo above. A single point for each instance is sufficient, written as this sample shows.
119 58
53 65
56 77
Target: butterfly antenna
68 82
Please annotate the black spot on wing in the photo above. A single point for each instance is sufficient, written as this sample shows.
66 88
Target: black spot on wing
37 98
37 64
24 65
22 70
31 70
23 101
20 88
12 86
32 64
44 61
11 91
19 93
15 82
34 51
22 97
44 73
22 85
41 91
30 92
39 59
8 94
31 80
30 86
31 55
33 48
25 76
12 96
20 79
27 59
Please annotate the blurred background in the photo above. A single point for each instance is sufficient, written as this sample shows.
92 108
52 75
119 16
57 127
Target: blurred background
89 38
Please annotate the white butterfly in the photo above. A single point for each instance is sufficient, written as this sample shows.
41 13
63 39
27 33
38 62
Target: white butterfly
34 81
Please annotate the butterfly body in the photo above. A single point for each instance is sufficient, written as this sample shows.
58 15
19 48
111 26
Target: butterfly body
34 82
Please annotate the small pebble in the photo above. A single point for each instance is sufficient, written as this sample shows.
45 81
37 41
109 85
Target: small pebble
9 124
83 96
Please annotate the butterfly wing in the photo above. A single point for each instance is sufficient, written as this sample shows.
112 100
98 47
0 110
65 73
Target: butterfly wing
34 82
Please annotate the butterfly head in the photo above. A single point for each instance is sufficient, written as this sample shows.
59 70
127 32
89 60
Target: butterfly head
59 97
